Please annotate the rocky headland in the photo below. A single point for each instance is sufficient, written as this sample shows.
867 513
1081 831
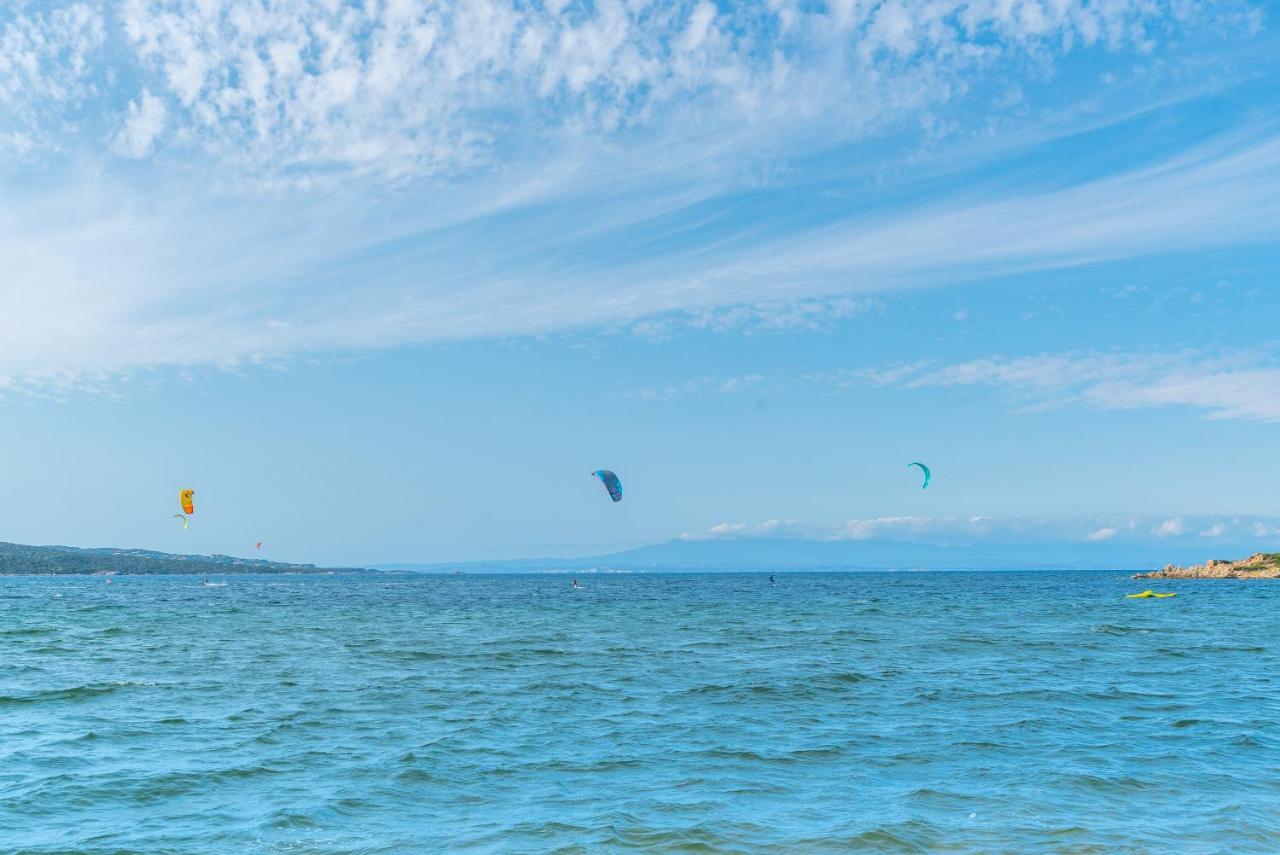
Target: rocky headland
1262 565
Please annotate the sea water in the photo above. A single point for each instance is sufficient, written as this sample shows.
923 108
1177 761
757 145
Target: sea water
957 712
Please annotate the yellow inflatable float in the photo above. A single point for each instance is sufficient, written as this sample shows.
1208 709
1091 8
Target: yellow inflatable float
1149 593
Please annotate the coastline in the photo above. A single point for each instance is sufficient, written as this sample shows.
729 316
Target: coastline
21 560
1260 565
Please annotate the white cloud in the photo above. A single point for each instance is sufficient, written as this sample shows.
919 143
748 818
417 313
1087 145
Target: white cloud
1229 385
699 25
449 218
45 53
730 531
144 124
880 527
102 278
769 316
1228 394
696 386
1242 531
1219 192
429 86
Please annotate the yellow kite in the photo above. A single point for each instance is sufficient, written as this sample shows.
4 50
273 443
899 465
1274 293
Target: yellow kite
186 497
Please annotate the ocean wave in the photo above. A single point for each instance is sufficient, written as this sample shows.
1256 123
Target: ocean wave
708 716
1118 629
71 693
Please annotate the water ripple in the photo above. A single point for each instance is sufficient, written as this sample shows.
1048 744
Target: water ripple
698 713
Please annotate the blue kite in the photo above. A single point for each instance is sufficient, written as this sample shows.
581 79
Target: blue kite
611 483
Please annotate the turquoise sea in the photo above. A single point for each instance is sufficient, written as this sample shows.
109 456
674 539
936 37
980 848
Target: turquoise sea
954 712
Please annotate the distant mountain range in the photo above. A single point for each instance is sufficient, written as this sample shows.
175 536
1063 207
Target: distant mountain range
737 554
19 560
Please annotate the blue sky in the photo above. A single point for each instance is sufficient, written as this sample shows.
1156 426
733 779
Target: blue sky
385 281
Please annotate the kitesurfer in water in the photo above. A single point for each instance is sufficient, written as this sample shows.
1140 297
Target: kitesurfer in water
772 581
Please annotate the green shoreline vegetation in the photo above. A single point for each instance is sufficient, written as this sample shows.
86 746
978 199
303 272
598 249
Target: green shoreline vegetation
19 560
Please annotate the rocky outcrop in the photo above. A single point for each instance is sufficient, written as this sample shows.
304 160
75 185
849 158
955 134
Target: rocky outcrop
1263 565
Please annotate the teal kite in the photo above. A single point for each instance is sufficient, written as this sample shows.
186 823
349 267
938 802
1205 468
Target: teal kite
925 470
611 483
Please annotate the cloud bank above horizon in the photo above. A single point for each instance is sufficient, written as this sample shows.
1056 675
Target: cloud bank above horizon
1209 528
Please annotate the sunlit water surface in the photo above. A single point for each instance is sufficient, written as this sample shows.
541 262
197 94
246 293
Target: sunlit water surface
893 712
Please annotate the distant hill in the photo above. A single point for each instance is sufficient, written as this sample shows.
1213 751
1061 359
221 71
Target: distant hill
799 554
19 560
